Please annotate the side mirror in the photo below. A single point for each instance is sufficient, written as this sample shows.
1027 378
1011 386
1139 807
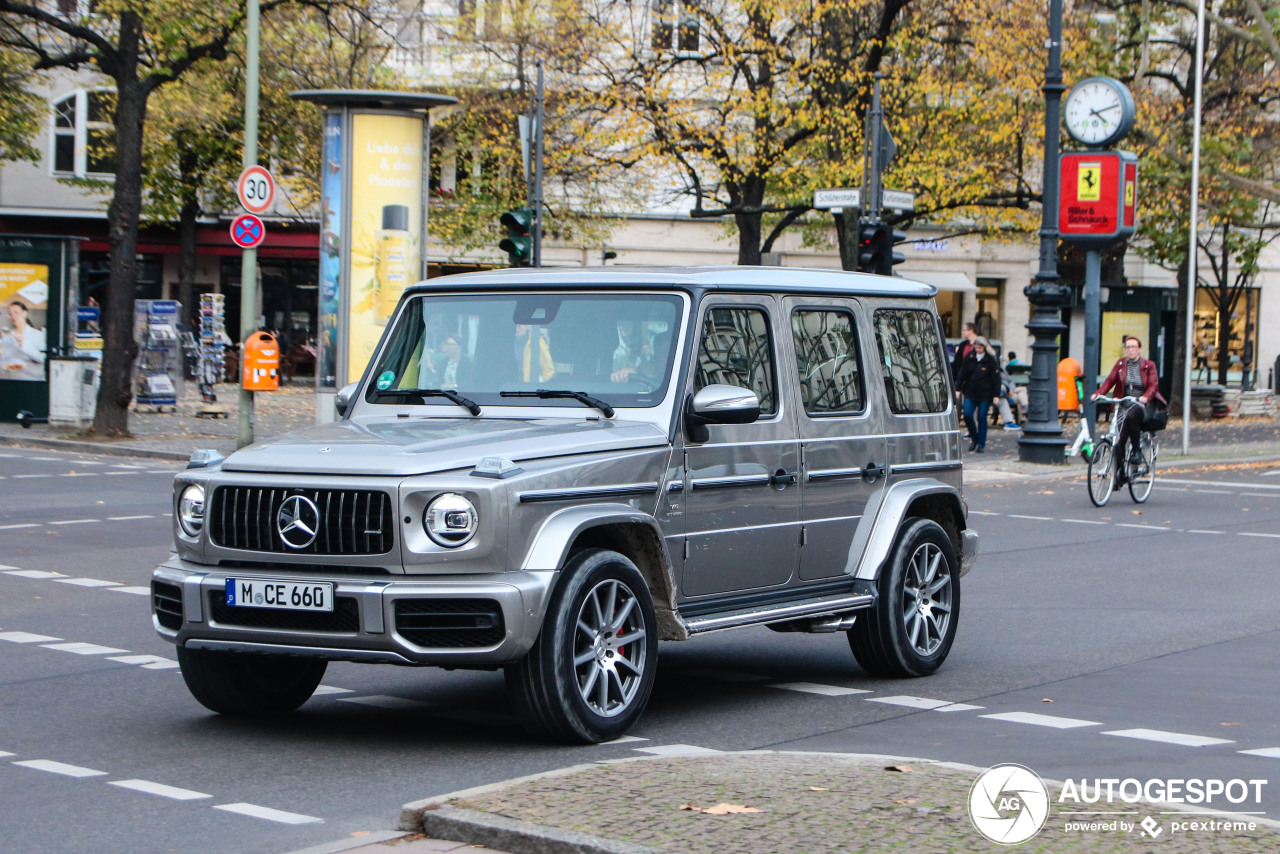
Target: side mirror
719 404
342 400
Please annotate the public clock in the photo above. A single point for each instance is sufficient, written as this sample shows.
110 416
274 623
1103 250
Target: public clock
1099 111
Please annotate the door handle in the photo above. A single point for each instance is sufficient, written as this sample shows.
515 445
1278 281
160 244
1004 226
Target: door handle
781 477
873 470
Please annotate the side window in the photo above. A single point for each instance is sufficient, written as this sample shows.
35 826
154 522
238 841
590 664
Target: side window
911 361
735 351
827 357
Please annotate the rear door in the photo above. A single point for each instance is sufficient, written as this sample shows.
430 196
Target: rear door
842 449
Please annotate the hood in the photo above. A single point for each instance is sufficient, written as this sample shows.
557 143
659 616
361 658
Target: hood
410 446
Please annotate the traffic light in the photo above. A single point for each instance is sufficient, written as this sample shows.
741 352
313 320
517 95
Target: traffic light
875 248
518 244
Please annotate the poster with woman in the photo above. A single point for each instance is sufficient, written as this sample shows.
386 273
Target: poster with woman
24 303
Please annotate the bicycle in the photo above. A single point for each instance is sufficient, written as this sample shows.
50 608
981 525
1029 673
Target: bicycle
1104 471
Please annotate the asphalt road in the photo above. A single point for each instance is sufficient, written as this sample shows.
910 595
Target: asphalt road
1120 642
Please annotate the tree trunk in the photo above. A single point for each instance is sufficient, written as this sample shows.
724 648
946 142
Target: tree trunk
748 239
189 313
120 349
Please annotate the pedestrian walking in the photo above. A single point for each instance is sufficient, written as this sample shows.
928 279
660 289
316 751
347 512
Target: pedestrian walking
979 382
969 333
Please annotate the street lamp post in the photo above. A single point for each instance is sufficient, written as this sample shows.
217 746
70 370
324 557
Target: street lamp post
1042 440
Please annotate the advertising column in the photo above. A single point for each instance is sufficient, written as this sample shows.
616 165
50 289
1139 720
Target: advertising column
36 274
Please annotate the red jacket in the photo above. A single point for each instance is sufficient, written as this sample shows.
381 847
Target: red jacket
1150 380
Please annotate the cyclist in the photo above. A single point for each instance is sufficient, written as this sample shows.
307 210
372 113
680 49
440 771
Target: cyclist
1135 376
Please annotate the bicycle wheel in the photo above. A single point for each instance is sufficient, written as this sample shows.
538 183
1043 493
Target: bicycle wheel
1102 478
1143 476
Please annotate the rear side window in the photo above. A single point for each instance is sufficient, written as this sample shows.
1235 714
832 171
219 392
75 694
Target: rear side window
735 351
911 361
827 358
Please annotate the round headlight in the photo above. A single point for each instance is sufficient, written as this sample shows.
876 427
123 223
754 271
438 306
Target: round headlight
191 510
450 520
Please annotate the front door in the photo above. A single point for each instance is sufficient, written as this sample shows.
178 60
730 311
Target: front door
742 496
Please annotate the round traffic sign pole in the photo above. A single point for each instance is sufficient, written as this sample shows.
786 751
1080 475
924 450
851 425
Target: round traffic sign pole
247 231
256 189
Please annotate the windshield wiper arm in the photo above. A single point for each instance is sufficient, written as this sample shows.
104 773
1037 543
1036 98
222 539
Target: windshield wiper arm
465 402
580 396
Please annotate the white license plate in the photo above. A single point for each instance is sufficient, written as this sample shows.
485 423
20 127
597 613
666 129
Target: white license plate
282 595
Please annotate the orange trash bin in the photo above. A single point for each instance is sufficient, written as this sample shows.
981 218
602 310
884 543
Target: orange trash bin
1068 396
261 371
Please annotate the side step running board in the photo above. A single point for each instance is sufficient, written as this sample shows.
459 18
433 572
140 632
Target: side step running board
776 613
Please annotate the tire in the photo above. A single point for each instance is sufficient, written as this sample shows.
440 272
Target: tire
910 629
1140 484
248 685
578 683
1102 477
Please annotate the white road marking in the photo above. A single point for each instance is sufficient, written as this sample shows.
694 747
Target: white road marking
383 701
983 513
1268 752
23 525
1219 483
75 521
1257 495
48 459
146 662
4 566
625 739
33 573
1041 720
814 688
1200 531
911 702
160 789
1143 527
7 753
677 750
83 648
1247 534
60 768
1214 491
17 476
119 472
88 582
127 518
958 707
255 811
137 591
1036 518
329 689
26 637
1083 521
1169 737
79 474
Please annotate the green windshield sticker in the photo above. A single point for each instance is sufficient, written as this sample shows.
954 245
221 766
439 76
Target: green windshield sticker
385 380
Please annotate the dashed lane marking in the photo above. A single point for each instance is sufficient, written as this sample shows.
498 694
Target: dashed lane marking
1143 527
1204 483
127 518
136 591
75 522
924 703
150 788
814 688
33 573
1257 495
26 637
1036 518
59 768
329 689
677 750
7 753
1170 737
255 811
1041 720
23 525
1268 752
625 739
47 459
80 474
984 513
80 648
87 582
1213 491
1201 531
1083 521
1248 534
28 476
146 662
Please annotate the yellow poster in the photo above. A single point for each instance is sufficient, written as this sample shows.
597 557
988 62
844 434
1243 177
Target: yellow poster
24 293
1115 326
386 221
1089 182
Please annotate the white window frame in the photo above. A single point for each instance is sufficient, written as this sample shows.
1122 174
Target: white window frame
79 131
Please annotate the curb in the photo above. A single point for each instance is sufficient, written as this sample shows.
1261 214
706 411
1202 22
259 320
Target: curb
93 448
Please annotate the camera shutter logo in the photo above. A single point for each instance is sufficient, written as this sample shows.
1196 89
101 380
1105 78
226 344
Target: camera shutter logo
1008 804
297 521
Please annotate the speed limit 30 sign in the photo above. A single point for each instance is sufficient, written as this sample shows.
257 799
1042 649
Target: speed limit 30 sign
256 189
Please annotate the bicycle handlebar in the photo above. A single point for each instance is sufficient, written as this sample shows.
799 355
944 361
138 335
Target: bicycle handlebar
1102 398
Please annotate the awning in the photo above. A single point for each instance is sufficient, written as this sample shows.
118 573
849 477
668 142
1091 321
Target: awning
943 281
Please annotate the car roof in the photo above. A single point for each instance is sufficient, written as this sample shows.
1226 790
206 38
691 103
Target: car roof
751 279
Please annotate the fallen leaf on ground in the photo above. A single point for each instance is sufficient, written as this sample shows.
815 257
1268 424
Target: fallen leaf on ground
1230 724
904 800
719 809
905 769
819 789
1136 512
1046 700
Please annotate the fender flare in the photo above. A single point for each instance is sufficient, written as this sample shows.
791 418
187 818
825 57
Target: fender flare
887 516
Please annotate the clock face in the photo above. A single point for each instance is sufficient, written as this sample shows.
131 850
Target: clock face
1098 111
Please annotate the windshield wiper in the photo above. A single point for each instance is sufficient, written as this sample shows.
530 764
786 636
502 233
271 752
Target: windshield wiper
550 394
423 393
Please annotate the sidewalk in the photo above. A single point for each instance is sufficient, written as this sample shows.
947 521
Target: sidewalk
174 435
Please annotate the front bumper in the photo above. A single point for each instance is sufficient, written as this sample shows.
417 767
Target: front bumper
187 610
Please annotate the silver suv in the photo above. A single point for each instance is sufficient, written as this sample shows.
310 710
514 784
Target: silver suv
549 471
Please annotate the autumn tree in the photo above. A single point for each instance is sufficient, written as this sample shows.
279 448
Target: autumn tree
21 112
140 48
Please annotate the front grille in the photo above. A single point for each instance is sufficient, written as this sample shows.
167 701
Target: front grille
166 599
278 567
343 620
351 521
450 623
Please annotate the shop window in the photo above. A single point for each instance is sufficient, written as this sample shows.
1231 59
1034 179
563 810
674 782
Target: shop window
83 134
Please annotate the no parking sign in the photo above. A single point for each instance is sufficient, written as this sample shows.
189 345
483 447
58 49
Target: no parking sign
247 231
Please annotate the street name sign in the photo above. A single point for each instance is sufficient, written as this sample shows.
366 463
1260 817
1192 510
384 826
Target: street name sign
851 197
256 189
247 231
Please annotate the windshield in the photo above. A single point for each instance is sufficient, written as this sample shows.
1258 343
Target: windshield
618 348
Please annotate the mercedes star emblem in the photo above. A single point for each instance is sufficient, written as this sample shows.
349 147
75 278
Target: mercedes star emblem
297 521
